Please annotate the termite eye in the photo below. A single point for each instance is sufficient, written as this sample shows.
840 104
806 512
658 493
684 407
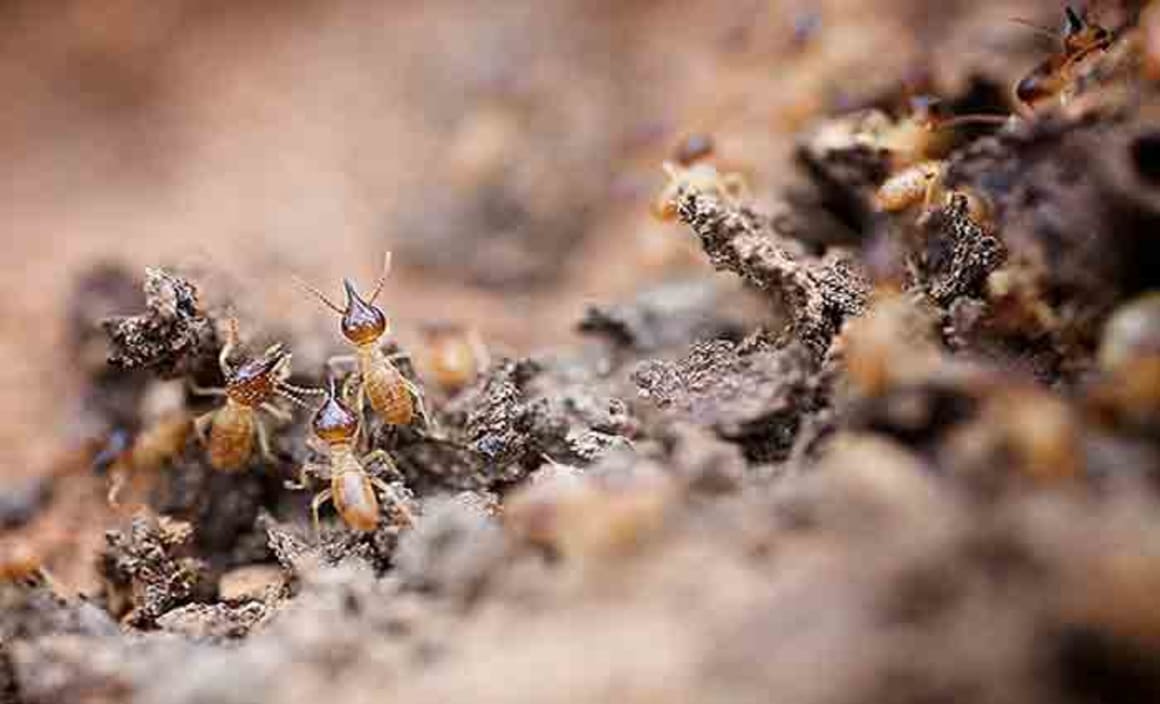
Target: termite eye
362 322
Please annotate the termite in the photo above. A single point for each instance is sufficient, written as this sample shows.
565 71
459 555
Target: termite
166 426
392 396
455 355
700 176
923 183
20 563
1053 76
251 386
352 488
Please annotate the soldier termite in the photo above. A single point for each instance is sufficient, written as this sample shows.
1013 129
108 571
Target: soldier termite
1053 76
250 386
351 489
392 396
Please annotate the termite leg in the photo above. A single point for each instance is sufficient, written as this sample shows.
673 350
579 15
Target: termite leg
479 351
346 360
201 426
280 414
418 396
232 337
397 504
360 411
351 386
315 504
263 440
205 390
304 471
118 477
378 455
933 184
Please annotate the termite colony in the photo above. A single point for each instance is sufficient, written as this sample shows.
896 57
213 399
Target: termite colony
236 435
942 186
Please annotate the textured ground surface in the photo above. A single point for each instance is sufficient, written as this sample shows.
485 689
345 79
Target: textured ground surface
875 457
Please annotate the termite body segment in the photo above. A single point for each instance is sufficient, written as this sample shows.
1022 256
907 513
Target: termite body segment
384 385
910 186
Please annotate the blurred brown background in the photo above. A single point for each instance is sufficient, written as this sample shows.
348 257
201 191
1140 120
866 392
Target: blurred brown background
506 151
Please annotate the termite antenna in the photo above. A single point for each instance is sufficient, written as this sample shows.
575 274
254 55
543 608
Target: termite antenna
1043 31
301 283
976 120
286 394
382 276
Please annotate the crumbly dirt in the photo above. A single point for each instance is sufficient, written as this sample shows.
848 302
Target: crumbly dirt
791 447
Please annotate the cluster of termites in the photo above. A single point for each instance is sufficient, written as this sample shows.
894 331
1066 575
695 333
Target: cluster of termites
235 430
917 143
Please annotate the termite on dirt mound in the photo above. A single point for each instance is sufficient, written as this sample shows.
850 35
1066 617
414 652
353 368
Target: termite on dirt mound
352 488
250 386
393 397
454 355
700 176
916 145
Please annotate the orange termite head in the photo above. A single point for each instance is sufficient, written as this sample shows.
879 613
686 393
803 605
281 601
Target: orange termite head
333 422
362 323
255 382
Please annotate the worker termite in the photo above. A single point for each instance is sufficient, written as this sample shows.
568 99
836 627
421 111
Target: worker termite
352 488
699 176
923 183
1054 76
20 563
166 426
455 355
392 396
250 386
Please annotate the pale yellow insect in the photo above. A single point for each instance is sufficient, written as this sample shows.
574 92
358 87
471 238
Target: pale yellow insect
699 176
